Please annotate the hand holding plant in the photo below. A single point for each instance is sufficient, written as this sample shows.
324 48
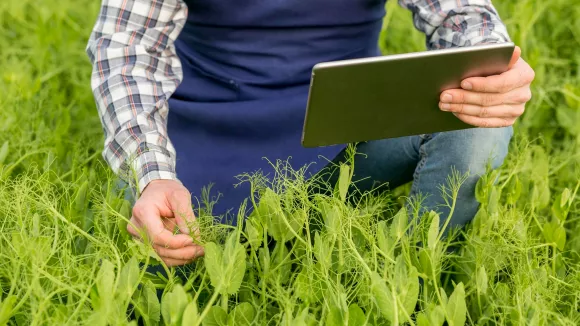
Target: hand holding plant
163 209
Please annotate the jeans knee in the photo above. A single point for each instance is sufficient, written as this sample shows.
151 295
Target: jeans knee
472 150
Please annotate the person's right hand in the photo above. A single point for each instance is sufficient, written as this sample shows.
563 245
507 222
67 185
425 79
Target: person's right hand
165 205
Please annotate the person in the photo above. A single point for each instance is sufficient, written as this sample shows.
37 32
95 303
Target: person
196 92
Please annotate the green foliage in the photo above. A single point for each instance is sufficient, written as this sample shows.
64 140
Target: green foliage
300 259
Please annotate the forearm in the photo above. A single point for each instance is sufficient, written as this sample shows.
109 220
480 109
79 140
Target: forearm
135 71
452 23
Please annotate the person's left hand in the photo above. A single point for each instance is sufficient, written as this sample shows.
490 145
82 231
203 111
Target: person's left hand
494 101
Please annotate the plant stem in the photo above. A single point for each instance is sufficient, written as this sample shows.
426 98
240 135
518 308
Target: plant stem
208 306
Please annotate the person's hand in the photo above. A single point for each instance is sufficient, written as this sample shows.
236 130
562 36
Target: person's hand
494 101
163 208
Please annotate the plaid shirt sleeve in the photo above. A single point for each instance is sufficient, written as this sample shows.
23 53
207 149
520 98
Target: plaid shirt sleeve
456 23
135 71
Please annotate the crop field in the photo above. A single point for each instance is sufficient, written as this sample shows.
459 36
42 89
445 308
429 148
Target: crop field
300 259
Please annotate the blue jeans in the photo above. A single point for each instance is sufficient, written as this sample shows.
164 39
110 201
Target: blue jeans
428 160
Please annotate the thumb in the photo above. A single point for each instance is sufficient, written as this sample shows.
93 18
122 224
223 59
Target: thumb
515 56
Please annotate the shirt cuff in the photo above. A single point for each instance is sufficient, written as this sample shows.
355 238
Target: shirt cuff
152 165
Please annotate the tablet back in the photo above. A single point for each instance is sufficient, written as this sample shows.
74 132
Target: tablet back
392 96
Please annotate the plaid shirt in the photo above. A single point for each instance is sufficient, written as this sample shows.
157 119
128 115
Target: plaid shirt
136 70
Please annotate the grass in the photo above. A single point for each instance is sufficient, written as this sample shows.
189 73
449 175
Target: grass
66 259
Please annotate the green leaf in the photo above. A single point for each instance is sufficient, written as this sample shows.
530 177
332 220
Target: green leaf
282 264
234 264
399 224
81 198
296 221
3 152
565 197
383 297
322 251
124 210
560 207
213 260
356 315
514 190
422 320
255 232
216 316
541 194
433 231
481 218
173 304
456 307
129 279
555 233
149 308
6 307
242 315
382 237
331 216
270 210
105 283
190 314
409 293
436 316
481 189
343 181
425 262
493 203
481 280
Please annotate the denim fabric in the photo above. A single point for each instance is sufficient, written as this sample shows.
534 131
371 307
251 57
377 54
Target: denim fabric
428 160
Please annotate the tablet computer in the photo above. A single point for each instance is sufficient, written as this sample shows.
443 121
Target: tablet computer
392 96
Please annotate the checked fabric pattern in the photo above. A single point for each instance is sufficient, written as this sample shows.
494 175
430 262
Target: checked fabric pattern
136 70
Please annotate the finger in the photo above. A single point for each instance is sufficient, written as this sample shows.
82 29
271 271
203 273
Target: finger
134 228
498 111
170 262
151 220
485 122
180 202
169 224
185 253
521 74
459 96
515 57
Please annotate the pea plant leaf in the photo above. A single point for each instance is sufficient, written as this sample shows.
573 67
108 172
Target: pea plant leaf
190 314
555 233
343 181
481 280
216 316
242 315
234 264
213 263
255 232
456 307
105 283
270 211
6 307
173 304
383 297
433 231
129 279
356 315
148 308
399 224
561 205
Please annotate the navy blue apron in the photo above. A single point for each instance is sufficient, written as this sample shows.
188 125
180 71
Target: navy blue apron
247 67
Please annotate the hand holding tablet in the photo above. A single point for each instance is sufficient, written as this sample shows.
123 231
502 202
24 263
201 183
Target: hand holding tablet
402 95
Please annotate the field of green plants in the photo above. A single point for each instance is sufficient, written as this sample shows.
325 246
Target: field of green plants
301 259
